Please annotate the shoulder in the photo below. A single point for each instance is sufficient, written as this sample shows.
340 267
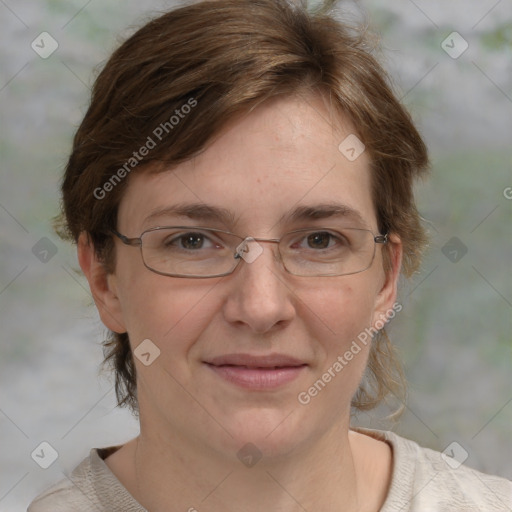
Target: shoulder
91 487
72 493
424 479
61 497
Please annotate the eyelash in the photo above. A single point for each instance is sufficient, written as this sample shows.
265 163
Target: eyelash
333 237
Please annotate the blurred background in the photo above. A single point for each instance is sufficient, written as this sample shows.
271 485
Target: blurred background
452 66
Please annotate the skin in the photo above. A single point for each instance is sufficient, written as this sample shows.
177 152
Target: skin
261 166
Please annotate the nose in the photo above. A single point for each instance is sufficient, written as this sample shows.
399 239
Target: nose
259 297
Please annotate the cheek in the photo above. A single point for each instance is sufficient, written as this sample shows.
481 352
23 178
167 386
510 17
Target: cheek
171 312
339 321
342 310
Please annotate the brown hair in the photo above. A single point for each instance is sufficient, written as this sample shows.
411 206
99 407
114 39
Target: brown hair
229 56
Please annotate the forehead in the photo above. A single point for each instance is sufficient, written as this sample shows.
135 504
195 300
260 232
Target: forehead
282 156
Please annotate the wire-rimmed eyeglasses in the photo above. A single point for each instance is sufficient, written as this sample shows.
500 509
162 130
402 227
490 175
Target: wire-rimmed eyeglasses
201 252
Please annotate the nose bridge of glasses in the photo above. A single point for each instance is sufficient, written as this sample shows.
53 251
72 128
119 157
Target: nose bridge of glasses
250 248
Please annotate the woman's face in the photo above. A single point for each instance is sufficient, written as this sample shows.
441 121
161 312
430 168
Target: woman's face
282 156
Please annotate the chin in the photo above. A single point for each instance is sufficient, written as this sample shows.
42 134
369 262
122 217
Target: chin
274 432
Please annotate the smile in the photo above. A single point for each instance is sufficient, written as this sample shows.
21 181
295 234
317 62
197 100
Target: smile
257 378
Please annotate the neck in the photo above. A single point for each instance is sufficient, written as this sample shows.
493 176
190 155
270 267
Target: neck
173 474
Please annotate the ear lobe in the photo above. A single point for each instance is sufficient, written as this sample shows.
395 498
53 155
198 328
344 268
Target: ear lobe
102 285
386 297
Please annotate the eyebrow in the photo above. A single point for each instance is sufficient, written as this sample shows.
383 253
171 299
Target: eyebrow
205 212
322 211
197 211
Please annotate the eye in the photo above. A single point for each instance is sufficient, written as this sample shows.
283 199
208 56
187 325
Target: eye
319 240
190 241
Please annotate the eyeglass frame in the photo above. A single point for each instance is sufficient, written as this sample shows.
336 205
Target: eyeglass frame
137 241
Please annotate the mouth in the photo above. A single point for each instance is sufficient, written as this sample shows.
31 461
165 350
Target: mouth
257 372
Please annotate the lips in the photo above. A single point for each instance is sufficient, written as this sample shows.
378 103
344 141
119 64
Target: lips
257 373
255 361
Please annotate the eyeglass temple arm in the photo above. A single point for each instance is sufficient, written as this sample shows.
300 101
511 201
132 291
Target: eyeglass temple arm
381 239
126 240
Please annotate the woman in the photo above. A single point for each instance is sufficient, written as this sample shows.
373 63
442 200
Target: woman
240 191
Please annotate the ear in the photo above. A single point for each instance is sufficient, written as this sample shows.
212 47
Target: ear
386 297
102 285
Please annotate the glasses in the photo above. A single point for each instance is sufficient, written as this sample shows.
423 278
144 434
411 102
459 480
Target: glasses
197 252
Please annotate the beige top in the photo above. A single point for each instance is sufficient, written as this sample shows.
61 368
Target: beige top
422 480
